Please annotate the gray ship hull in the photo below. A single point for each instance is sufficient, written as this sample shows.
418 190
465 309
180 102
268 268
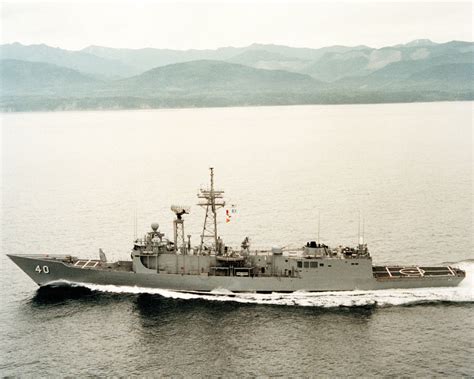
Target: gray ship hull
45 271
157 262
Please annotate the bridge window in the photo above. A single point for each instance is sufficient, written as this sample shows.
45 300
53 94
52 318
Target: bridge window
306 264
314 264
299 264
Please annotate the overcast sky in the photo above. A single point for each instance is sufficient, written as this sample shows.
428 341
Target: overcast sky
200 24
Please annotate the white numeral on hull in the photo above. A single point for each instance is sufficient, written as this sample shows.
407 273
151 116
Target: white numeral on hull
44 269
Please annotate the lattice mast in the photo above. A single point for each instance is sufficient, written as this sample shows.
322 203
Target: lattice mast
211 200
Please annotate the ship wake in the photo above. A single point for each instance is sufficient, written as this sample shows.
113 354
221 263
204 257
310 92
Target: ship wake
464 293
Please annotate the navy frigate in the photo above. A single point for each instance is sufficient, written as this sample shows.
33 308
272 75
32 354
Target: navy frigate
159 262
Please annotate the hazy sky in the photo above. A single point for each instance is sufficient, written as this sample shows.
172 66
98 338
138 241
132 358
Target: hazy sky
210 24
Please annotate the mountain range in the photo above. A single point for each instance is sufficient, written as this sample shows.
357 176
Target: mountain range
40 77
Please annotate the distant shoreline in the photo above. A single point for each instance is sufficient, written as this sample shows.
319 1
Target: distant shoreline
3 112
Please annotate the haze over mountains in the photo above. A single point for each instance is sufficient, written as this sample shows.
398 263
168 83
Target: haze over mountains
39 77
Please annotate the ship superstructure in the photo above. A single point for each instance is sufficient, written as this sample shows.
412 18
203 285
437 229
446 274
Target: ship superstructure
175 264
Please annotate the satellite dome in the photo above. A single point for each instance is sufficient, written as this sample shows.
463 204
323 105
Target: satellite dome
155 226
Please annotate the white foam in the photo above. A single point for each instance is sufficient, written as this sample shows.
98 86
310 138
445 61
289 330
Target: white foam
462 293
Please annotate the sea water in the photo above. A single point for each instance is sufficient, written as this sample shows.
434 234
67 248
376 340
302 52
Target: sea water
74 182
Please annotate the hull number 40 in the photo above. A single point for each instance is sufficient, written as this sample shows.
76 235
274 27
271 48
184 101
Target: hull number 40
42 269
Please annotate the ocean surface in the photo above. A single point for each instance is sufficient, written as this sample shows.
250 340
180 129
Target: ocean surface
72 182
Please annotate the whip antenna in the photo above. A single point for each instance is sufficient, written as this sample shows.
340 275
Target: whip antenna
319 224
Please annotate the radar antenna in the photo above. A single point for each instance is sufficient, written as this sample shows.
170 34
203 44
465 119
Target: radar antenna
178 224
211 200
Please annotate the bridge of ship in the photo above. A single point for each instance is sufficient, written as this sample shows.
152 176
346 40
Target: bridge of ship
397 272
